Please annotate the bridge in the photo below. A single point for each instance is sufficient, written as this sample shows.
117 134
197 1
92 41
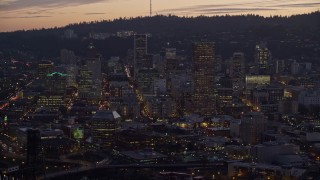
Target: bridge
84 169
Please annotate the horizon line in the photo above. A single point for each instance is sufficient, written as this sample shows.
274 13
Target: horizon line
157 15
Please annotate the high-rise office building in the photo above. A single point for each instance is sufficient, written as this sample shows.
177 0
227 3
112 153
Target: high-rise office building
67 57
94 65
171 53
34 154
145 80
122 97
237 70
203 74
140 53
262 58
54 96
56 83
33 147
114 66
85 83
172 62
72 72
104 126
252 126
162 106
93 62
45 68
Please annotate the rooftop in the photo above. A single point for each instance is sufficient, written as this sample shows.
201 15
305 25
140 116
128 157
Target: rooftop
143 154
106 115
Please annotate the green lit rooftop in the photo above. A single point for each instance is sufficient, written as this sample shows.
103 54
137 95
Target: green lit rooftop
56 73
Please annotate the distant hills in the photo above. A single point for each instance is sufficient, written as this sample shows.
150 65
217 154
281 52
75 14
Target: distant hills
295 37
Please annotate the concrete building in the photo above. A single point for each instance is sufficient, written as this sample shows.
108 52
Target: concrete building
122 98
145 79
45 68
262 58
268 151
162 106
140 52
309 97
104 126
251 127
253 81
237 70
203 74
67 57
85 83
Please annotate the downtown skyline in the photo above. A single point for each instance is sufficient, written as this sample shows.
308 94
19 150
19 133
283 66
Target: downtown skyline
35 14
114 91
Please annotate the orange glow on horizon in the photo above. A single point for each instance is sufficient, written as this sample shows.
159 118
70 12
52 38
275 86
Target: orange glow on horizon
50 15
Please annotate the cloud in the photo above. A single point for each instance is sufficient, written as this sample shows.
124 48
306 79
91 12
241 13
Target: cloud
93 13
222 7
218 9
6 2
243 7
300 5
8 5
42 11
24 17
231 10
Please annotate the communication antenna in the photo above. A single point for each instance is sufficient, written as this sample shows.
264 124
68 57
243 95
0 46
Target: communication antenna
150 8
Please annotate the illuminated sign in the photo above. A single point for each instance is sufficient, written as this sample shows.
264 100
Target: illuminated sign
77 133
5 120
56 73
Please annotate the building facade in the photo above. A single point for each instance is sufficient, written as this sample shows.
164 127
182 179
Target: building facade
203 74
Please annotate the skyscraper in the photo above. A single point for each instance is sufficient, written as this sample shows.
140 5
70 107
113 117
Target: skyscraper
54 97
85 83
56 83
33 147
34 154
172 62
252 126
45 68
237 70
203 74
262 58
93 62
140 53
67 57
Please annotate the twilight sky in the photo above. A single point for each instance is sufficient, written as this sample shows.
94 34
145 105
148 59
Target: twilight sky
29 14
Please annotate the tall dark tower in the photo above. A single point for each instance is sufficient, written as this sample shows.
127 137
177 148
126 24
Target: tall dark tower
33 147
93 62
203 74
237 70
33 152
262 58
140 53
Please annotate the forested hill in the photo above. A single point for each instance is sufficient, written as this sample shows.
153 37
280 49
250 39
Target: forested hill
243 30
168 25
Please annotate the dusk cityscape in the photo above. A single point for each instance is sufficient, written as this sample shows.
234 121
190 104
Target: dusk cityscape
160 90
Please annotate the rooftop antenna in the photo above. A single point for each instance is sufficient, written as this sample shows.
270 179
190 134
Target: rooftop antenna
150 8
